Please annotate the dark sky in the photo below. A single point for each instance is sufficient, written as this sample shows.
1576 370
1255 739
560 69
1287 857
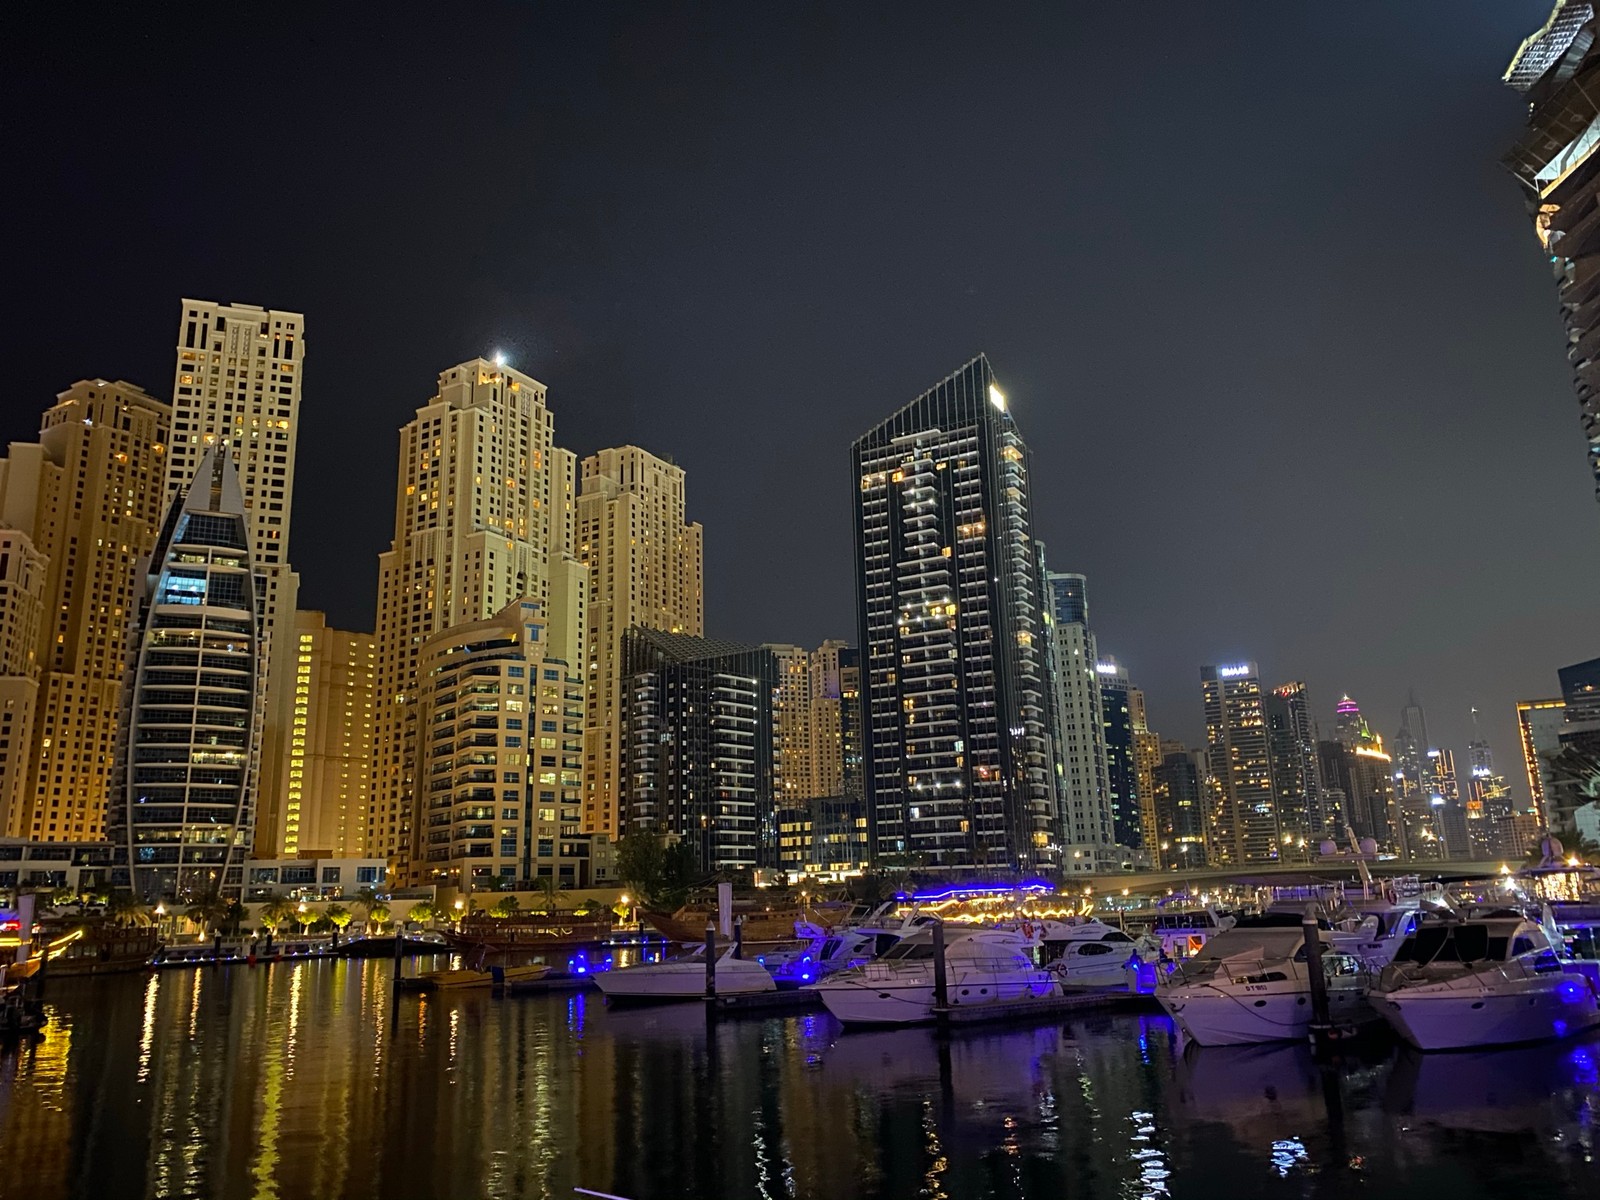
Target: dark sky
1268 310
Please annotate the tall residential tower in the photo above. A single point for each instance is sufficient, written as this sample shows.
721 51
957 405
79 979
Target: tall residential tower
948 608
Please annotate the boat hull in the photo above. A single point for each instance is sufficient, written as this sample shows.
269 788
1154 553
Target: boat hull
1228 1016
1544 1009
875 996
682 981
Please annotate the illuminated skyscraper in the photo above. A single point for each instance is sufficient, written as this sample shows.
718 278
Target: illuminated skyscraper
329 784
1296 776
182 810
237 384
1560 173
1245 828
1539 723
484 518
83 506
948 600
1181 787
1116 718
1083 788
1444 795
647 569
1418 817
1146 757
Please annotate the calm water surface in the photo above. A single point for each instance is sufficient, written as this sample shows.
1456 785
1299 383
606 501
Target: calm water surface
304 1080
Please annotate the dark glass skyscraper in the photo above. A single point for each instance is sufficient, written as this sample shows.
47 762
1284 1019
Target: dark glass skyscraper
948 598
1117 720
1296 773
184 777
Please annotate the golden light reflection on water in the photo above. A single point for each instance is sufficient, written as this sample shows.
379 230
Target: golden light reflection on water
147 1035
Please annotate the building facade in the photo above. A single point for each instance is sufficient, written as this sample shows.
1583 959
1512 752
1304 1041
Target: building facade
1179 791
1083 788
484 517
1116 718
646 564
1558 70
699 748
1146 757
948 600
1296 773
80 509
329 773
501 703
1246 821
1539 725
183 788
237 383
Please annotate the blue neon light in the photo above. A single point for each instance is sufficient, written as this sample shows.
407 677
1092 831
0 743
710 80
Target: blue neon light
979 889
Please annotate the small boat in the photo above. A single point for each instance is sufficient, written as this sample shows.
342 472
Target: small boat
982 966
1487 981
684 978
1251 984
532 932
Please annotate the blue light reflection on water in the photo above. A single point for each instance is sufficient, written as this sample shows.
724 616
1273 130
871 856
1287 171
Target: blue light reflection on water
186 1080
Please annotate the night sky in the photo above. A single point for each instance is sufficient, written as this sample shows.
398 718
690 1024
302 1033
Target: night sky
1268 310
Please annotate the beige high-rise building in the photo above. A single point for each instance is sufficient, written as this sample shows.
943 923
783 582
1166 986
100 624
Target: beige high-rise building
237 382
829 691
22 577
87 500
329 770
646 568
792 748
1146 758
483 517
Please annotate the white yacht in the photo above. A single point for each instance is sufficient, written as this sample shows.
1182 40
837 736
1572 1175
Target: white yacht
982 966
1092 954
1251 984
824 952
1489 981
684 978
1184 933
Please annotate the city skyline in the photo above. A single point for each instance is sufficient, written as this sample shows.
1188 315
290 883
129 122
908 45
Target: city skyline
1372 614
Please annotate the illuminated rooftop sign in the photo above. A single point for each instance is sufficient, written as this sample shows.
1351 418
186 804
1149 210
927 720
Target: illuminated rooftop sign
1232 672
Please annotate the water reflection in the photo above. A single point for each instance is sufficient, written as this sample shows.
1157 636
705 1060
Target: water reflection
307 1080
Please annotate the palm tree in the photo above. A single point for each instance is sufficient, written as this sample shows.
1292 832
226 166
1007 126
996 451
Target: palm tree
377 915
547 891
277 913
209 912
504 906
125 909
422 912
338 916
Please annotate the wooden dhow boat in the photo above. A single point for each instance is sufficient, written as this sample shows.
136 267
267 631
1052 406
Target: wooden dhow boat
761 923
530 932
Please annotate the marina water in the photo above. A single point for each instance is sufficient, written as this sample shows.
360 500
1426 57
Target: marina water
308 1080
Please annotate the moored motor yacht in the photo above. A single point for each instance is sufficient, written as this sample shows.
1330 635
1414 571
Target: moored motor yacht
983 966
825 952
684 978
1488 981
1251 983
1092 954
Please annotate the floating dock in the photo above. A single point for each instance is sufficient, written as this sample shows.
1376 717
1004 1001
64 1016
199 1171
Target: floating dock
763 1004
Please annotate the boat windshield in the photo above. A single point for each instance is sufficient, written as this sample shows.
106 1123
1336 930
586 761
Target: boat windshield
909 950
1461 943
829 948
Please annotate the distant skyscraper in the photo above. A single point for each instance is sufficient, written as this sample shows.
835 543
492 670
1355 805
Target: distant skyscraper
1444 794
1180 807
483 519
1296 776
1362 778
330 741
84 505
1419 817
646 568
829 666
1117 717
1246 823
1083 787
1146 757
237 384
1349 725
948 603
1554 160
182 817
